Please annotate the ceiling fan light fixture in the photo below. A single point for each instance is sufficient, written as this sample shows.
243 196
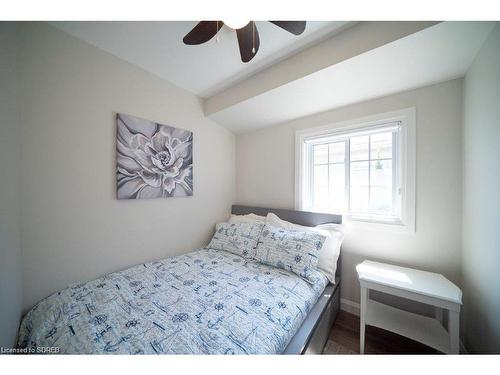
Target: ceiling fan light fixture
236 24
246 33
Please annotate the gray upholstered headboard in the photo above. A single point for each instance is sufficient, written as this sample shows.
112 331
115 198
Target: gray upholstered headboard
309 219
305 218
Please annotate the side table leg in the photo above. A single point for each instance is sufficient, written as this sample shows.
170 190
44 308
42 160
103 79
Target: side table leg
453 331
362 319
438 314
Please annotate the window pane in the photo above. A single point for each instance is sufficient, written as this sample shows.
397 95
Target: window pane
359 186
359 173
368 189
359 148
381 185
321 198
337 187
359 199
381 146
320 188
320 154
320 176
337 152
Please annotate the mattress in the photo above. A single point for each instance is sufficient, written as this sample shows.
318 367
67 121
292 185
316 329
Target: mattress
204 302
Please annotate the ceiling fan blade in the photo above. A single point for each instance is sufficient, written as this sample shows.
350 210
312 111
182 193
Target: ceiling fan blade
248 40
202 32
294 27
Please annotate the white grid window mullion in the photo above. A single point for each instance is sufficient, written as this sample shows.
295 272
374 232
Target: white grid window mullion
369 171
311 179
347 166
328 174
395 185
330 162
379 174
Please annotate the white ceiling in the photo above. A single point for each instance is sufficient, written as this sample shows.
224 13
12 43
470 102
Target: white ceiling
435 54
204 69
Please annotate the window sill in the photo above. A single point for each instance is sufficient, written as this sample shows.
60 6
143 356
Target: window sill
371 223
395 226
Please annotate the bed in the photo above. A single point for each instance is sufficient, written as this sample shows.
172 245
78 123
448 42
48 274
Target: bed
204 302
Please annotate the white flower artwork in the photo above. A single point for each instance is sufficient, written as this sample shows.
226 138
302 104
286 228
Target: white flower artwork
153 160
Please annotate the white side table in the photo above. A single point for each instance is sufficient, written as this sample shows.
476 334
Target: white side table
426 287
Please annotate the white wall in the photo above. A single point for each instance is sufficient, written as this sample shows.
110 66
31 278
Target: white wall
10 253
73 228
265 177
481 219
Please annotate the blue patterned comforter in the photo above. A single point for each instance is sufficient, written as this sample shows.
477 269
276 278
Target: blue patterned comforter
204 302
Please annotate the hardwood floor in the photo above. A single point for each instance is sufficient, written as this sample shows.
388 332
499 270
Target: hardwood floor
344 339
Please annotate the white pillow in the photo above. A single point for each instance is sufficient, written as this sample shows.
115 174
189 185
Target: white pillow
250 218
330 251
330 226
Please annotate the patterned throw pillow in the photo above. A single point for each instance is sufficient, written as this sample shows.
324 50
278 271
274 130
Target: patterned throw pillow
237 238
292 250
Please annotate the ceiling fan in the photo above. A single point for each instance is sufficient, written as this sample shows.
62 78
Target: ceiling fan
248 36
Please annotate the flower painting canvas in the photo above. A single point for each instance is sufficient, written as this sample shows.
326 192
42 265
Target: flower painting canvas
153 160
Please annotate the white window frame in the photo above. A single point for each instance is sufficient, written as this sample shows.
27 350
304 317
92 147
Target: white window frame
407 148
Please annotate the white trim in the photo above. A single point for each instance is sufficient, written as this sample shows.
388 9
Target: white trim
407 118
349 306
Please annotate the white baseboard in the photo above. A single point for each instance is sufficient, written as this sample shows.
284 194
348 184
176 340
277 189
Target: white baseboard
349 306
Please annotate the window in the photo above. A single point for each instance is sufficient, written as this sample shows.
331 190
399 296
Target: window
363 169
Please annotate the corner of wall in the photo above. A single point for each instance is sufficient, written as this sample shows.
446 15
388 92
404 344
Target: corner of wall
480 219
11 291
